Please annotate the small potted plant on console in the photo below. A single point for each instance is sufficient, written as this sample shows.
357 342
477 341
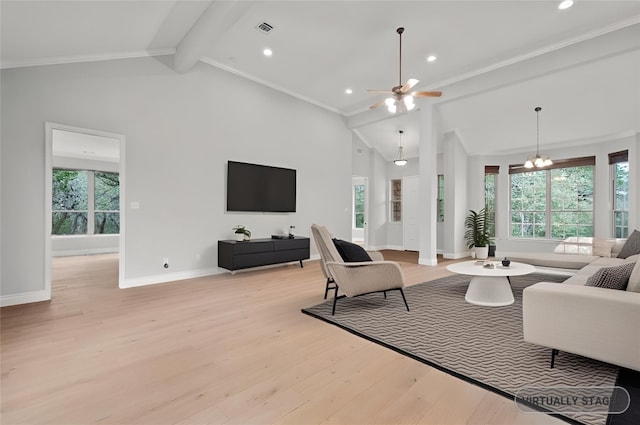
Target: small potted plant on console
242 234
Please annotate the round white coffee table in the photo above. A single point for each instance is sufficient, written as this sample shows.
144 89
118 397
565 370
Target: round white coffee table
490 286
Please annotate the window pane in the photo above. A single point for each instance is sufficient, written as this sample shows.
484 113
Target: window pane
358 206
528 204
572 202
69 223
490 202
396 197
69 190
107 191
396 213
568 197
107 223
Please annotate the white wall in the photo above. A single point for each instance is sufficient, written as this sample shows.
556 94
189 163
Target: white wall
394 230
181 129
458 197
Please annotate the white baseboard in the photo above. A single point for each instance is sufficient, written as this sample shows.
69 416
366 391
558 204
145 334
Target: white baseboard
455 255
192 274
26 298
168 277
427 261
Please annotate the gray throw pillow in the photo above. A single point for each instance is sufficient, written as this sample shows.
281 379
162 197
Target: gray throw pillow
616 277
631 246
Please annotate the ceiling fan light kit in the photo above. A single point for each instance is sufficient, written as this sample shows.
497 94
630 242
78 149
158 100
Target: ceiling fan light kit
400 98
538 160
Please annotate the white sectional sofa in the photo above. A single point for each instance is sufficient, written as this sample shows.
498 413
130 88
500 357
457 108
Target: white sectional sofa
595 322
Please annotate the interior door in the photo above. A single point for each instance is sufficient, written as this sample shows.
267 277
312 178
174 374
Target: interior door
410 213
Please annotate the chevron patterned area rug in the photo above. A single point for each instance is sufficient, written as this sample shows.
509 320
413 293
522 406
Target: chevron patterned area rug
483 345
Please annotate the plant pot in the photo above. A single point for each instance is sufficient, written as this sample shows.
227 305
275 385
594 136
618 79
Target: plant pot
240 237
482 252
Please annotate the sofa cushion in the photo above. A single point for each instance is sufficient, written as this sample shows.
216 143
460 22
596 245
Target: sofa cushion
548 259
616 277
631 246
575 245
350 252
617 246
602 247
634 279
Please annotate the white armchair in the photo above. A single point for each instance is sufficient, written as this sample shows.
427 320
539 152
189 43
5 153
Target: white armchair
354 279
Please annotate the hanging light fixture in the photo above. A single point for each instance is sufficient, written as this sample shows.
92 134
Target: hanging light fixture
400 159
538 161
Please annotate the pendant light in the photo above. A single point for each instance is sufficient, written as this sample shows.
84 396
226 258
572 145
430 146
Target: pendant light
400 159
538 161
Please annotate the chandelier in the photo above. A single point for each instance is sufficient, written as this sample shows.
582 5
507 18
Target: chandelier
538 161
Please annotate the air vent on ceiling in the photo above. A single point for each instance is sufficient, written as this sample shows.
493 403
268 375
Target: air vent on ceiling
264 27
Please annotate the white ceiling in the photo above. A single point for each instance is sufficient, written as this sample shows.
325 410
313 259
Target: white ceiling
497 60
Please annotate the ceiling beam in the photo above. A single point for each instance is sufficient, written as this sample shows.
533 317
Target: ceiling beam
548 61
215 21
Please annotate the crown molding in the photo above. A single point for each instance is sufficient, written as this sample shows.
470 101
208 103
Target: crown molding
59 60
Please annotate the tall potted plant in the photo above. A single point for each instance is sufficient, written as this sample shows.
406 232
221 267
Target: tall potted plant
477 233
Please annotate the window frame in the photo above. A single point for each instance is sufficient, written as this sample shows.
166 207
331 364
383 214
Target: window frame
91 205
354 220
616 158
491 171
549 210
440 200
393 201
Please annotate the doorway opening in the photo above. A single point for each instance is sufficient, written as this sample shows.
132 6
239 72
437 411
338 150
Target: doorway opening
84 195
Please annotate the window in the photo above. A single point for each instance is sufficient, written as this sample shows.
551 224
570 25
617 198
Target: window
440 198
107 203
554 203
619 164
358 206
396 200
85 202
490 177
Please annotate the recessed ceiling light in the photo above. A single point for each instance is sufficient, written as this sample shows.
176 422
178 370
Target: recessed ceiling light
348 91
565 4
267 52
431 58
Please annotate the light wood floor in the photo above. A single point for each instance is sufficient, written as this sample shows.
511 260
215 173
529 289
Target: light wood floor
223 349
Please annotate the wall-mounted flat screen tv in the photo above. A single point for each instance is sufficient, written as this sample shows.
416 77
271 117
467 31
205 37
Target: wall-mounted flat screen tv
260 188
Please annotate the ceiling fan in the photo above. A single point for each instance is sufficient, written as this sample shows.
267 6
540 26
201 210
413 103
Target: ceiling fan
400 97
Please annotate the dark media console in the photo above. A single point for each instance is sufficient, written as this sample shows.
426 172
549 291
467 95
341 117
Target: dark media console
234 255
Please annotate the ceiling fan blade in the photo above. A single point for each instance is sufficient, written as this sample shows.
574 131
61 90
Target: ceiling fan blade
410 83
426 94
377 105
379 91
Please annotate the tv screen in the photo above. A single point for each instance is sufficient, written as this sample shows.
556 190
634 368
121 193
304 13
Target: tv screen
254 187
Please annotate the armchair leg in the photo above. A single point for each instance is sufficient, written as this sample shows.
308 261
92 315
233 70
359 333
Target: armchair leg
554 353
385 294
404 299
328 286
